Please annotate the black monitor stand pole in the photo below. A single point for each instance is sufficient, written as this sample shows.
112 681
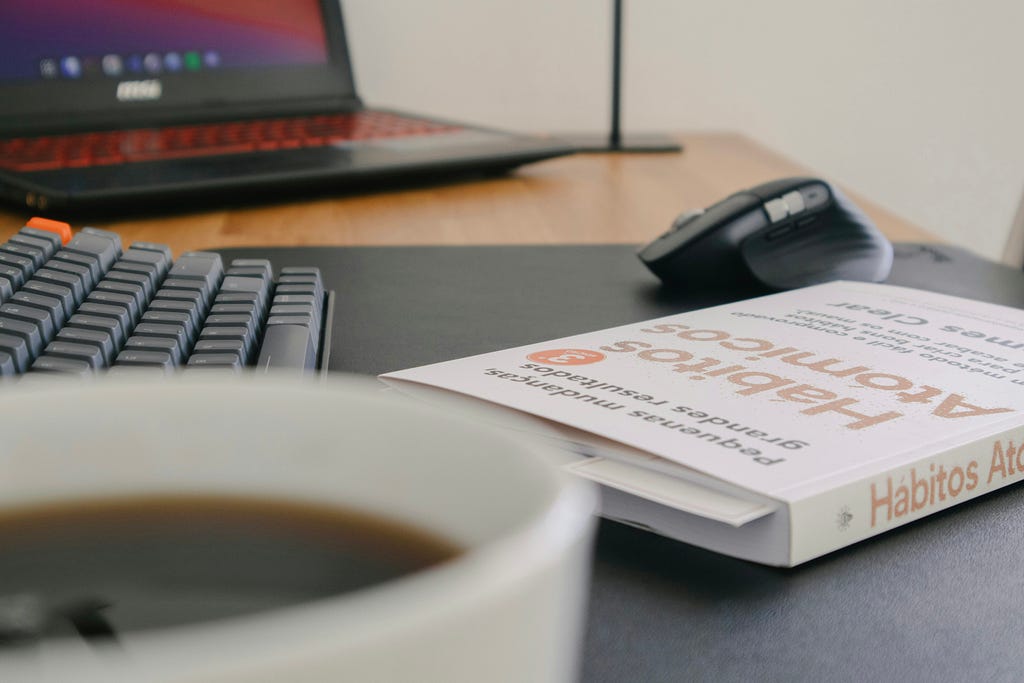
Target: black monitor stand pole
615 141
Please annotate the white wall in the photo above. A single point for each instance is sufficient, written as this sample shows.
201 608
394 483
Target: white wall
915 104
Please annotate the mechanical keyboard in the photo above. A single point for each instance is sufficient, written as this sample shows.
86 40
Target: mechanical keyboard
84 304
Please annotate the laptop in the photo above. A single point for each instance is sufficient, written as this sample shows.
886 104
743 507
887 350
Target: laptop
118 103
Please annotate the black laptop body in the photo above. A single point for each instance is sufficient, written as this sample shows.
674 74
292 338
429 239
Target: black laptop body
110 104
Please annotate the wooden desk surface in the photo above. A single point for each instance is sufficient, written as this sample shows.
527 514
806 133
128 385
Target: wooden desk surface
601 198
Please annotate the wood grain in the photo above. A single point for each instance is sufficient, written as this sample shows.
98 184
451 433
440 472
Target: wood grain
600 198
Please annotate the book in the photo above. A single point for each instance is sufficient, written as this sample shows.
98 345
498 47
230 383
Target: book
775 429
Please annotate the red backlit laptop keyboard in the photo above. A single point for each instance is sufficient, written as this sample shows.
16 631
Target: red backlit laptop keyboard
175 142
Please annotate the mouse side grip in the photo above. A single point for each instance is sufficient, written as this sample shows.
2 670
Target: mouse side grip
844 245
706 248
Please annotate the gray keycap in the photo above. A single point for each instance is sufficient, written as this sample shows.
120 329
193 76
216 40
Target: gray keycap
192 288
235 284
263 264
13 274
240 298
42 302
192 297
35 255
308 299
17 349
136 279
141 369
44 235
187 285
287 347
297 320
115 299
146 270
118 314
24 265
202 266
98 323
215 360
241 334
232 320
74 351
310 271
6 289
175 333
100 248
132 357
153 345
58 277
298 276
28 331
148 257
45 246
303 320
162 249
68 366
180 320
305 289
300 280
248 309
235 347
76 269
59 292
135 291
172 306
262 274
90 262
305 311
100 340
109 234
7 368
35 316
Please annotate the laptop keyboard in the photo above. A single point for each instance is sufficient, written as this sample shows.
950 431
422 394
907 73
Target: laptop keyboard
85 304
236 137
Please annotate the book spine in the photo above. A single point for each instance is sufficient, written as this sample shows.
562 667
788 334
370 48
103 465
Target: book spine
876 503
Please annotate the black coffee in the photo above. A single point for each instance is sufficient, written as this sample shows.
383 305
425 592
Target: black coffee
98 569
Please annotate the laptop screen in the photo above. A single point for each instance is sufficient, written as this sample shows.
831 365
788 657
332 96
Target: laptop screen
114 61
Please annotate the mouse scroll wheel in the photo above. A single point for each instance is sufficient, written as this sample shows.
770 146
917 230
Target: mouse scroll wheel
685 218
784 206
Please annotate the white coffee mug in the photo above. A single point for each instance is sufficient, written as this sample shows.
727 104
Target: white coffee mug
509 608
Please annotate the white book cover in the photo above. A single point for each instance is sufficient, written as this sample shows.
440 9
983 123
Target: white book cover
779 428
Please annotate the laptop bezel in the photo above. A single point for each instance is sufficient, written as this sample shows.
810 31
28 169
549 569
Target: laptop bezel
47 107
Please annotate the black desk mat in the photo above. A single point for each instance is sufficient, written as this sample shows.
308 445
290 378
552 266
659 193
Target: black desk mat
939 599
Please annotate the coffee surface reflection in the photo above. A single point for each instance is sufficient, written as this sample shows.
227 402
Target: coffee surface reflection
98 569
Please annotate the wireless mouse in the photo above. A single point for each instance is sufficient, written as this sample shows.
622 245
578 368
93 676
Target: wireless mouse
786 233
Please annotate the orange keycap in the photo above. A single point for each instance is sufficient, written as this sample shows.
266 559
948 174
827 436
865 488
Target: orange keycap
62 229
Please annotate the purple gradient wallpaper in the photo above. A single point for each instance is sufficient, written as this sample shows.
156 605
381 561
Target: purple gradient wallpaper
225 33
